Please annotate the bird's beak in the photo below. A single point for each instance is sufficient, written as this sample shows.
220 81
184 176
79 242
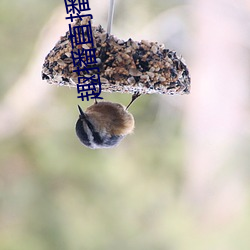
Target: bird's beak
82 115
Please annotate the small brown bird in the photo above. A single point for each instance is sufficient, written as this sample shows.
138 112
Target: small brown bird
104 124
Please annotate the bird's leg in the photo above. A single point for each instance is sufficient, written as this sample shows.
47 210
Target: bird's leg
134 97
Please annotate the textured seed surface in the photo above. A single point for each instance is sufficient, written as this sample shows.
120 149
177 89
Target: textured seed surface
125 66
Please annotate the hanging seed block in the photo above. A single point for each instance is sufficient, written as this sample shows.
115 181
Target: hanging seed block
125 66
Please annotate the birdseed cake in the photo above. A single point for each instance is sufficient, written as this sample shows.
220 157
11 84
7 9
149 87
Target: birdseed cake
124 66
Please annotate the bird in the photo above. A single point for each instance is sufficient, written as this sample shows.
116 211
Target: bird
104 124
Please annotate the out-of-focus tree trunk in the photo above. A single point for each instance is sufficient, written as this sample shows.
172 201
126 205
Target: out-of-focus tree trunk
216 120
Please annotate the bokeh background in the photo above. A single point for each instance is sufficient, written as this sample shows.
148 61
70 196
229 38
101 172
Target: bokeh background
180 182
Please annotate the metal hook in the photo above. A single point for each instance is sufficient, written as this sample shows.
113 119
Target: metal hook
110 15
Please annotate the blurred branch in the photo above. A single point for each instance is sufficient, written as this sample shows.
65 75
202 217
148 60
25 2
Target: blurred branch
29 91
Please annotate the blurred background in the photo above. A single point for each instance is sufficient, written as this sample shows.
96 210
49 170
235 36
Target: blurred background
180 182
